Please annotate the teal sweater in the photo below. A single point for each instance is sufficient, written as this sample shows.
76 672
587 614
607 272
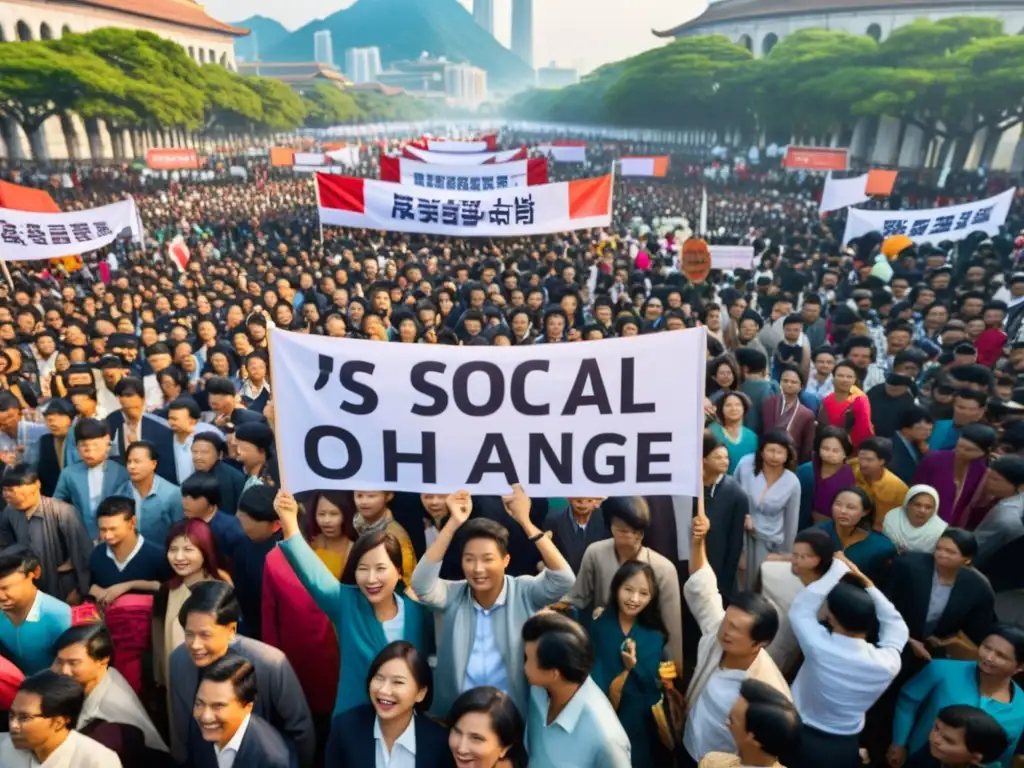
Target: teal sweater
944 682
360 635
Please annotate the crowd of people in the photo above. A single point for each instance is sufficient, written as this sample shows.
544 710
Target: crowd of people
844 592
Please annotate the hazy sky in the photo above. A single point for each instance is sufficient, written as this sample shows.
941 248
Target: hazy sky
582 33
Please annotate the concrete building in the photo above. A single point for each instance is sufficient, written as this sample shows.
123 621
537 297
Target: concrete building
483 12
460 85
362 65
206 40
759 26
554 76
522 30
299 75
465 85
323 47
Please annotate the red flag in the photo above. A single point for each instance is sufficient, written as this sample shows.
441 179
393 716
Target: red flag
179 253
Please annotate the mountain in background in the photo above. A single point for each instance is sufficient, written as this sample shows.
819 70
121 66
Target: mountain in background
264 35
403 29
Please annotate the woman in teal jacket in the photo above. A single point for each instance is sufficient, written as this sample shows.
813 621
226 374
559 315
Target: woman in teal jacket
986 684
369 607
629 641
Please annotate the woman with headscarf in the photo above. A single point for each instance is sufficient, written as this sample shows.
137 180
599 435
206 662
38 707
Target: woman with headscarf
916 526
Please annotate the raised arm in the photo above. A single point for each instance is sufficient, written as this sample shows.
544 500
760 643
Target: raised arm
427 583
803 612
701 589
315 576
557 577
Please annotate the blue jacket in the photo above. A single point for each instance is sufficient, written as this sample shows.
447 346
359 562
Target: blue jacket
159 510
73 487
155 431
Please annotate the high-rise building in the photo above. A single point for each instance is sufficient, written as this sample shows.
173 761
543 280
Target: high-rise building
465 85
323 48
522 30
483 12
362 65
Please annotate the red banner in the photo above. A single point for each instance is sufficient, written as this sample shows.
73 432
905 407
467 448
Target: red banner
816 159
172 159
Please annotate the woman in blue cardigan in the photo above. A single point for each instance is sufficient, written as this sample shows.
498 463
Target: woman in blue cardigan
368 607
986 684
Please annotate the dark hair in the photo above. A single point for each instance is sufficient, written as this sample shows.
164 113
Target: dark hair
775 437
90 429
201 537
89 392
505 719
370 541
144 445
782 368
911 415
720 406
711 443
235 670
406 651
965 541
880 446
852 608
116 505
17 558
60 407
185 404
754 360
866 502
59 696
981 435
216 598
258 503
762 610
858 375
982 733
821 544
562 645
213 439
825 349
771 718
95 637
1010 467
729 362
9 402
130 385
1014 635
482 528
202 485
220 385
631 510
650 616
18 475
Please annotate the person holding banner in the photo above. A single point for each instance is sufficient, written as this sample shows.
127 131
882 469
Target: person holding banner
479 641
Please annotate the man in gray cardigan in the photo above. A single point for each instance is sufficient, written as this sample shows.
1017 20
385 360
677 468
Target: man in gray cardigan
480 641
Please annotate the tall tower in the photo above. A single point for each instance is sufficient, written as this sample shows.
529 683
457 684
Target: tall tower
323 49
522 30
483 12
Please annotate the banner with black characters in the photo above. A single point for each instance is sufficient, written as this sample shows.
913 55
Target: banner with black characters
29 236
469 178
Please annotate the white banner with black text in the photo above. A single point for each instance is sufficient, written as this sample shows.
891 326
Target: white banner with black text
29 236
519 173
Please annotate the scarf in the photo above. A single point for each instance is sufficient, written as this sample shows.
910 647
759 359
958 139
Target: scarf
905 536
363 528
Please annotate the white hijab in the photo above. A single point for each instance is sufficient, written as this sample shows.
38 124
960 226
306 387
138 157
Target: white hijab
905 536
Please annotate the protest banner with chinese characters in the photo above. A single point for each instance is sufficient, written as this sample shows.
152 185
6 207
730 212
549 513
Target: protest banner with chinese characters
474 178
954 222
28 236
456 158
610 418
346 201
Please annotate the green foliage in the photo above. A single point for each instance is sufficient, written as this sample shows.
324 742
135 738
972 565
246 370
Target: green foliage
328 105
283 108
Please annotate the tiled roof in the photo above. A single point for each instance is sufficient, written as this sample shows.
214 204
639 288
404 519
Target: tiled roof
184 12
742 10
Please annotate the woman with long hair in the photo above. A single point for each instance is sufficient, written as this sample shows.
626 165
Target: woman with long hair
399 685
369 607
629 640
723 376
824 475
729 430
487 731
853 534
193 555
847 406
329 528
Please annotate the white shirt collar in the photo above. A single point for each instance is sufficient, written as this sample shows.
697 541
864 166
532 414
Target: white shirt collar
236 741
36 609
131 555
407 740
499 603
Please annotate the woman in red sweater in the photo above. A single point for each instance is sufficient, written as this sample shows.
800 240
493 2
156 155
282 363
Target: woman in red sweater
847 407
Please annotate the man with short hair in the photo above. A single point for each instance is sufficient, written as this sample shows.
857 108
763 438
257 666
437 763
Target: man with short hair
42 721
200 499
488 602
19 439
52 529
157 502
56 446
183 416
158 357
569 719
968 408
262 529
253 444
86 484
576 527
871 475
233 735
225 412
208 452
124 562
964 737
130 423
756 384
765 726
30 621
910 442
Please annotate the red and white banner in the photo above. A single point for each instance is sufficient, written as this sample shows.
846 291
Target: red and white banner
346 201
454 146
179 253
816 159
471 158
566 151
474 178
172 159
644 166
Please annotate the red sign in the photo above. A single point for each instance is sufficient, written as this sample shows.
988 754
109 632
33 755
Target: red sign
172 159
816 159
696 261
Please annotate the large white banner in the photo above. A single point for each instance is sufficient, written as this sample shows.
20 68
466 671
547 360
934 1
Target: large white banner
565 153
519 173
460 147
470 158
28 236
730 257
347 201
602 418
842 193
954 222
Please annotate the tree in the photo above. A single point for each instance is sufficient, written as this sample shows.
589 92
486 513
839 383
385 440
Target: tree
328 105
283 108
230 105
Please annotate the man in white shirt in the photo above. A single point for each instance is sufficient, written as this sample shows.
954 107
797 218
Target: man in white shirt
843 675
183 418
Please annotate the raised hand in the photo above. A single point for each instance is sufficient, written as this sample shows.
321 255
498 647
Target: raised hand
517 504
460 506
